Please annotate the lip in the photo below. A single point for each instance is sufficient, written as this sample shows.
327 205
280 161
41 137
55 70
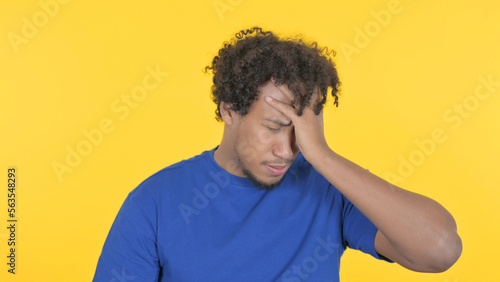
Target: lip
277 169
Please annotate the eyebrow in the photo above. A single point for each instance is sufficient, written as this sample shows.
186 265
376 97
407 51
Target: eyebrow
279 122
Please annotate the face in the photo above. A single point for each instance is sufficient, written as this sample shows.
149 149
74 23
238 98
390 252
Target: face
263 142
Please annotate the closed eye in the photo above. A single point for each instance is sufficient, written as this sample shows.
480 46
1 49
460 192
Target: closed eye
273 129
277 122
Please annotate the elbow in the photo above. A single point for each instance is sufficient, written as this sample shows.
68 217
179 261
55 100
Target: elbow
446 253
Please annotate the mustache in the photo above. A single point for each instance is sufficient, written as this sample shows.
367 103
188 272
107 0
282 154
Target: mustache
279 162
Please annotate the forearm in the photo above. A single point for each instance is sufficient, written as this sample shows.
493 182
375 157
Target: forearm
418 228
414 230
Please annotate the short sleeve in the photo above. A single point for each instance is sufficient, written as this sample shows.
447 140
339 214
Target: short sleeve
358 231
129 252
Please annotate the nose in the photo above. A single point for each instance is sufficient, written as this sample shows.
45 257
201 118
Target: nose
286 147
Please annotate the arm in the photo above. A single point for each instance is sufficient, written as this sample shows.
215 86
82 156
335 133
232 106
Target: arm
414 231
129 252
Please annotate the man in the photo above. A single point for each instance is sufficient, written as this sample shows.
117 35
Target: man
272 202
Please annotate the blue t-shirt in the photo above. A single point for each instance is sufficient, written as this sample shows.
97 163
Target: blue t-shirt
193 221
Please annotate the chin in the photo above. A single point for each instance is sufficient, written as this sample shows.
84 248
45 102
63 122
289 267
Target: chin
260 184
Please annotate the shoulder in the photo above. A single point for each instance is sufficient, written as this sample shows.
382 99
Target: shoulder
171 177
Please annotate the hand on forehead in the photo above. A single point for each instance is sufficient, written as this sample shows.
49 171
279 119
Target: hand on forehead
284 94
269 112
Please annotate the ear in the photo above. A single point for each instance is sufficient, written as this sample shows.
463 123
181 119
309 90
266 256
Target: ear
227 113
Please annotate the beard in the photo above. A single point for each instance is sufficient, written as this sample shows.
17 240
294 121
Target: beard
256 182
259 184
248 174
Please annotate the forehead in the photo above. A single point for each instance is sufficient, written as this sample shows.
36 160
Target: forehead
269 89
262 110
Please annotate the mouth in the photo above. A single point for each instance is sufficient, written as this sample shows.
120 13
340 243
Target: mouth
277 170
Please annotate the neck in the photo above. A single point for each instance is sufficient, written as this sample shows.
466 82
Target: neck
224 157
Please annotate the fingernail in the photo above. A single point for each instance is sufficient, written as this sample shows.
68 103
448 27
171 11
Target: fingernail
269 99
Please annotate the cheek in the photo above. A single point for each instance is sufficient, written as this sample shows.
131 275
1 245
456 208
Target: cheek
252 144
246 150
265 138
258 137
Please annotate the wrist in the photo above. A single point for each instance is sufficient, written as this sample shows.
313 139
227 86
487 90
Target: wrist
318 154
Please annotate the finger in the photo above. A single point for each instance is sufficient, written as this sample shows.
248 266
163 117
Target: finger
316 96
285 90
283 108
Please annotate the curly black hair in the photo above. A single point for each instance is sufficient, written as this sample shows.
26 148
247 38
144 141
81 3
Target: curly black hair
255 56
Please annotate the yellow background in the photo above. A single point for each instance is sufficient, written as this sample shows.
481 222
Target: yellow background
397 85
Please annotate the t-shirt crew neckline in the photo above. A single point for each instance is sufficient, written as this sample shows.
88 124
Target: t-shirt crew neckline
233 179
